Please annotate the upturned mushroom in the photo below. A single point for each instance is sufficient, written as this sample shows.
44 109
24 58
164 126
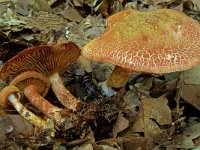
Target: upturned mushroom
11 94
35 86
160 41
49 61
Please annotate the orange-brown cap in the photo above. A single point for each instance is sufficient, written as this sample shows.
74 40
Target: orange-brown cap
43 59
32 78
159 41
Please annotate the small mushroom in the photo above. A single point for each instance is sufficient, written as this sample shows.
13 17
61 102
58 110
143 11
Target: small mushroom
159 41
35 86
49 61
11 94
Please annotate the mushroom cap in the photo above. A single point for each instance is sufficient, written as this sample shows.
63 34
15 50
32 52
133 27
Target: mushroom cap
159 41
27 78
44 59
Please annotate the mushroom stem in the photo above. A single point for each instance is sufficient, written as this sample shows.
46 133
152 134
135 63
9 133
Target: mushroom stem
117 79
63 95
23 111
42 104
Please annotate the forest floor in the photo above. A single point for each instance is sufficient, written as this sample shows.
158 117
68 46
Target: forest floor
130 120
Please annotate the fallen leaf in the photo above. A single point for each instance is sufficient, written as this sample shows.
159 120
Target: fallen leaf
154 112
85 147
191 76
45 21
71 14
102 8
129 143
132 5
135 143
107 147
116 7
189 86
78 3
41 6
84 63
185 139
74 33
133 104
120 124
16 125
196 5
155 2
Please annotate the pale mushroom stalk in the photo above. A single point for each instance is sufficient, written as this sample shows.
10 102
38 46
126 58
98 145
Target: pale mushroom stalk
61 92
33 84
117 79
9 94
158 41
42 104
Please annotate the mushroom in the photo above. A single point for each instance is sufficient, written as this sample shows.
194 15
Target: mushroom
35 86
49 61
11 94
159 41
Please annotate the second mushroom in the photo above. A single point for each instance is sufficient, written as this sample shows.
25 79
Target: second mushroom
49 61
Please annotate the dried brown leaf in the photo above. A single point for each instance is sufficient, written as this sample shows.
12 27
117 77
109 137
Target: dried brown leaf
71 14
116 7
45 21
196 5
120 125
185 139
15 125
189 85
155 2
78 3
41 5
84 64
102 8
132 5
133 103
107 147
154 112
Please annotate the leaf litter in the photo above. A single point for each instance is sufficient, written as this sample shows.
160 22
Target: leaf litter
150 112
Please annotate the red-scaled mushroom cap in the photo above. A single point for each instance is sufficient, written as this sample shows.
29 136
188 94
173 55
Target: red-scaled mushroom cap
44 59
32 78
159 41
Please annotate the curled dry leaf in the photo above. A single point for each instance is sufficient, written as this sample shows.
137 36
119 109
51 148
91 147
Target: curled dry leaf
196 5
45 21
120 125
102 8
154 112
15 124
85 147
71 14
189 85
133 104
155 2
116 7
107 147
185 139
74 32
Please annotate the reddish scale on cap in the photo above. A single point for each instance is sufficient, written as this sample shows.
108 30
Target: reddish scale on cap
43 59
158 41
